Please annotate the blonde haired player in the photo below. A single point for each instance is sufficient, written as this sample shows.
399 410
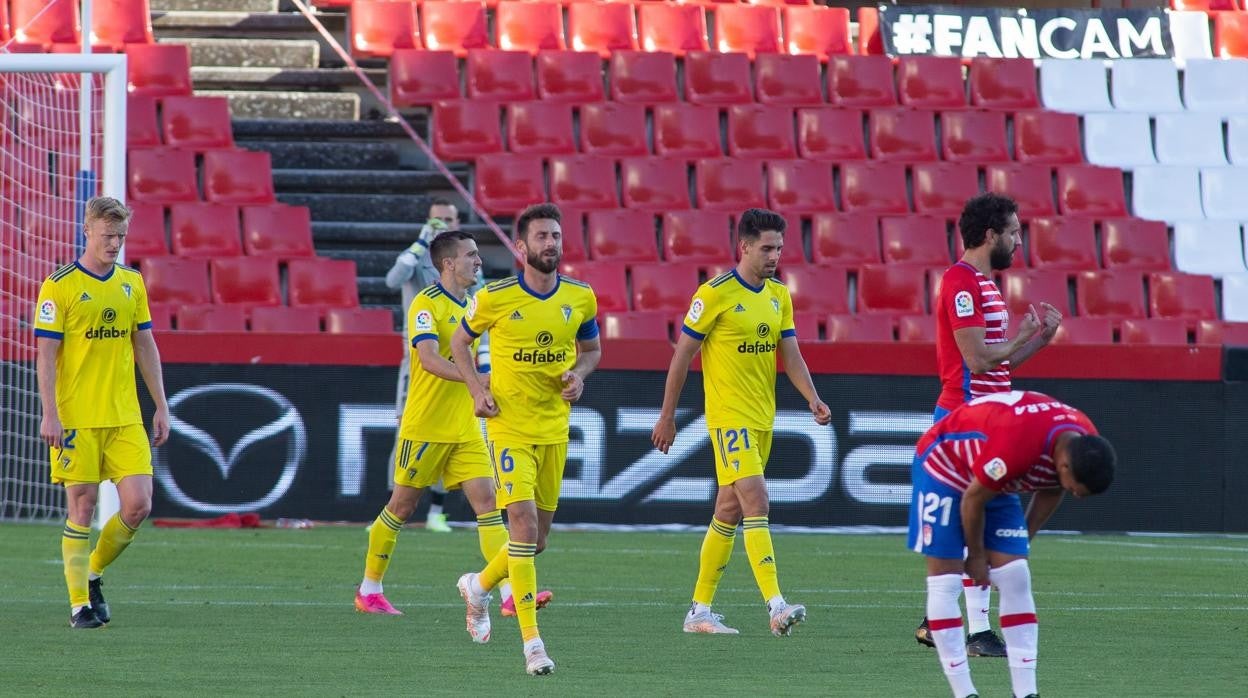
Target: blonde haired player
92 324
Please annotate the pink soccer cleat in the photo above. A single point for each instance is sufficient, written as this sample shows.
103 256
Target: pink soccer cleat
374 603
508 606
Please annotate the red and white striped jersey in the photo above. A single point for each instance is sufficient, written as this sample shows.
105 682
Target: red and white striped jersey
968 299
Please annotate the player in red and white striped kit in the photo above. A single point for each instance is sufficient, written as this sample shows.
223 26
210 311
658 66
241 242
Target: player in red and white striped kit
966 469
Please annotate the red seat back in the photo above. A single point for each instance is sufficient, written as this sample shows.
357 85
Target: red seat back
1021 289
606 279
1003 83
583 181
115 23
636 325
1088 190
675 29
278 230
529 26
655 184
686 130
197 122
204 229
418 78
238 177
697 236
747 29
146 235
359 321
826 133
727 184
322 283
158 70
1112 294
142 128
942 188
1154 331
787 80
540 128
973 136
569 76
903 135
1065 242
875 187
162 175
506 183
176 281
454 26
931 82
666 287
283 319
643 78
815 289
915 240
504 76
621 235
212 318
800 186
818 31
845 239
1174 294
1048 137
1134 243
378 27
602 27
1031 187
860 328
861 81
892 288
247 281
760 131
612 128
717 78
465 129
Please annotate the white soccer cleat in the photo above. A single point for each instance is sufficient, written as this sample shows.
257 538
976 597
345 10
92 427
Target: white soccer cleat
784 618
707 622
536 661
477 609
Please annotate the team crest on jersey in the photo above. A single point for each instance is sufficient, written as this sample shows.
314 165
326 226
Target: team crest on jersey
995 469
695 310
125 288
424 320
47 311
567 312
775 304
963 306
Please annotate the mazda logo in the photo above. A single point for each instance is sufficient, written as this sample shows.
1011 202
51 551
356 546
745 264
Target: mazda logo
198 417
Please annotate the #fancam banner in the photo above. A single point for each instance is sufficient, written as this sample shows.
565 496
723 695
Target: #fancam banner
968 32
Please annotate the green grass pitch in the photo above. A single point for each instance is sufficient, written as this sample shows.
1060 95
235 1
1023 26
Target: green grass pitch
269 613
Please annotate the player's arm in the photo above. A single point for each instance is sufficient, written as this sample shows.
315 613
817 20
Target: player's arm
1049 323
435 363
147 356
50 429
588 354
981 357
1041 507
664 432
799 375
461 352
974 500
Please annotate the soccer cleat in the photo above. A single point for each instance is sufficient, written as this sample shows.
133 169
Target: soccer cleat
784 618
708 623
985 644
437 523
537 663
923 634
508 606
477 610
97 599
374 603
85 618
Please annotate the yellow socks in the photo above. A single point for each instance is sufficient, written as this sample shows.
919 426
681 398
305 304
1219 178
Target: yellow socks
382 538
491 534
114 539
495 570
523 575
716 549
75 551
762 555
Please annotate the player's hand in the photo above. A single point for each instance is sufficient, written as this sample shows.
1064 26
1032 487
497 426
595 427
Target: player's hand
160 427
483 404
1050 322
664 433
50 429
823 415
977 569
1030 324
431 229
573 386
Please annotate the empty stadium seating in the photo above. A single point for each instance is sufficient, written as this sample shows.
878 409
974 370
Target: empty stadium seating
569 76
204 229
859 328
378 27
675 29
284 319
602 27
787 80
359 321
892 288
539 128
212 318
176 281
654 184
322 283
454 26
246 281
238 177
667 286
621 236
162 175
825 133
610 128
146 235
696 236
636 325
196 122
277 230
418 78
116 23
464 129
845 239
157 70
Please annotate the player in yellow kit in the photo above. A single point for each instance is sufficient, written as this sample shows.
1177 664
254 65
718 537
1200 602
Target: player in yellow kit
739 320
92 324
544 343
439 437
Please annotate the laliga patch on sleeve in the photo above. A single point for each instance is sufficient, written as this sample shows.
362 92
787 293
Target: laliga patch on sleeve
963 306
424 320
695 310
995 469
47 311
472 308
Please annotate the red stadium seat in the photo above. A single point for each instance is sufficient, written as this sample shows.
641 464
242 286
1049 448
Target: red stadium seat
505 76
359 321
686 130
583 181
1233 334
146 234
860 328
282 319
622 235
607 281
212 318
1174 294
204 230
697 236
675 29
379 27
1110 294
942 188
1064 242
115 23
636 325
602 27
569 76
324 283
246 281
540 128
1165 331
827 133
787 80
800 186
916 328
730 185
760 131
1047 137
573 227
1087 190
874 187
861 81
931 82
667 286
643 78
506 183
973 136
1230 34
845 239
717 78
903 135
278 230
158 70
176 281
529 26
1085 330
60 24
870 43
1003 83
465 129
5 31
454 26
1031 187
162 317
197 122
142 128
747 29
817 31
655 184
915 240
612 128
1134 243
162 175
1205 5
819 290
238 177
1022 288
418 78
892 288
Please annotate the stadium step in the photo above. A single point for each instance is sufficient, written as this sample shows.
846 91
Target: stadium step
394 236
342 155
322 129
276 25
351 207
367 262
215 5
280 78
376 181
289 105
251 53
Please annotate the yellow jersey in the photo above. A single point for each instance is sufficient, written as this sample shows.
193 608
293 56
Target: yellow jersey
437 410
95 317
740 327
532 343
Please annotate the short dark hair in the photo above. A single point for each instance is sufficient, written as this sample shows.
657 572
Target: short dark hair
755 220
987 211
1092 460
536 212
440 201
445 246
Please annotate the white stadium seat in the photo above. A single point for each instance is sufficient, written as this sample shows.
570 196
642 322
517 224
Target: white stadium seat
1224 193
1215 248
1189 32
1216 85
1076 85
1166 193
1235 298
1190 139
1118 139
1145 84
1237 140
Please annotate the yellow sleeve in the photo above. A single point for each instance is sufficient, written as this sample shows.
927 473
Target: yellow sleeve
589 328
142 311
482 313
787 327
422 320
50 312
703 312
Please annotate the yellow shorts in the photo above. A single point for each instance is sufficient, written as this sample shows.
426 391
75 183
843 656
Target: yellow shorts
528 472
94 455
420 464
739 453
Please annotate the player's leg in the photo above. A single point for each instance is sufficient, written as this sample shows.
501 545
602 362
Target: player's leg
548 465
1010 573
491 533
126 459
713 559
76 465
435 519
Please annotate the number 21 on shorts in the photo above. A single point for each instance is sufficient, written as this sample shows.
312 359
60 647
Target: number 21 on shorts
933 510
